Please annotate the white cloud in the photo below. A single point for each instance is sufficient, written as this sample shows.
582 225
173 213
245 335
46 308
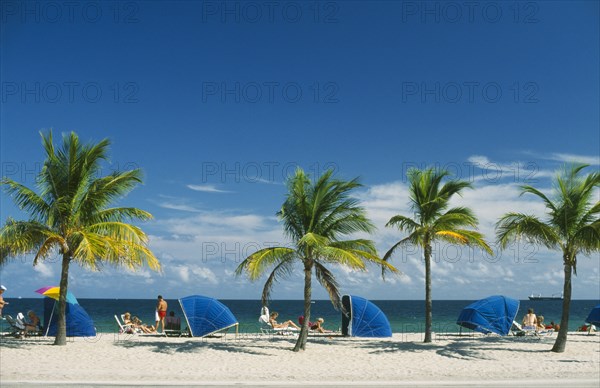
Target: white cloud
207 188
174 206
200 249
491 172
571 158
201 275
44 270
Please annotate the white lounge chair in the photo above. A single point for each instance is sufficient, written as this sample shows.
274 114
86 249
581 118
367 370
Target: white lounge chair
126 328
520 331
17 326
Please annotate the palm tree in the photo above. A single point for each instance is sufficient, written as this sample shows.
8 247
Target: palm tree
432 221
71 215
573 226
316 217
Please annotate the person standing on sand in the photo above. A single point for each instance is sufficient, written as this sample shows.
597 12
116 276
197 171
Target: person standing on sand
2 301
161 311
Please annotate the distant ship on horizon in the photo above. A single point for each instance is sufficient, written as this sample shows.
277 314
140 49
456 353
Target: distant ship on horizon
540 297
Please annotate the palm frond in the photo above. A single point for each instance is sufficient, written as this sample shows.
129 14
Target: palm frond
313 240
21 237
515 225
413 238
470 238
255 265
340 256
403 223
281 271
103 191
532 190
327 280
457 217
26 199
587 238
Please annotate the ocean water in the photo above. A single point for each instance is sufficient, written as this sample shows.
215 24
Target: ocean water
405 316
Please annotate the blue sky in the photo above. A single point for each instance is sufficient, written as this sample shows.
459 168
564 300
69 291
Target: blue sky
218 102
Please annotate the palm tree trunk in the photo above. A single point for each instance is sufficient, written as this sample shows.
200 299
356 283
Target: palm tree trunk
61 332
561 339
428 306
301 343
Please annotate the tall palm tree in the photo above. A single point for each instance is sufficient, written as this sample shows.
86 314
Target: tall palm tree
434 221
316 217
572 225
71 215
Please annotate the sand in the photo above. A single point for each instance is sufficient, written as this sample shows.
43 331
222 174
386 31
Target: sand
250 359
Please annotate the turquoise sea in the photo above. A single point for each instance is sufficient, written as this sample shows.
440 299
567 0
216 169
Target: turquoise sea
405 316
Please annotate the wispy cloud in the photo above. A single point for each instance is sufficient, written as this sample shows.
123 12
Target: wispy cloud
571 158
175 206
526 172
207 189
566 157
268 181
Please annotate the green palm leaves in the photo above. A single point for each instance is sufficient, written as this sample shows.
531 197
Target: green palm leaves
70 213
317 218
572 225
433 220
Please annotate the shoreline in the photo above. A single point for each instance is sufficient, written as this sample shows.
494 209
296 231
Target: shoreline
267 361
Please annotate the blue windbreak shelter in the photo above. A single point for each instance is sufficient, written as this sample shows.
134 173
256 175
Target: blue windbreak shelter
594 317
205 315
361 318
79 323
494 314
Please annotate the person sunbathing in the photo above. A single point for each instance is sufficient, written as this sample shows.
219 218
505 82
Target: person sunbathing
318 326
136 323
587 327
283 325
33 322
540 323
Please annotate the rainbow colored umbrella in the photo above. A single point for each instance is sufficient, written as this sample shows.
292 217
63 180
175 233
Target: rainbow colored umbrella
54 292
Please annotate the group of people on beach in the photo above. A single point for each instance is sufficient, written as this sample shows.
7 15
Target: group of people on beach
29 324
315 326
531 321
160 318
536 322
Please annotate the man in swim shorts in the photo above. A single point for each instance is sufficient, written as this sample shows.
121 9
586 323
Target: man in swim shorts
161 310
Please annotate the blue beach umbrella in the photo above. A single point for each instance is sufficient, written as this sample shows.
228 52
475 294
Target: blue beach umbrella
205 315
494 314
362 318
594 317
79 323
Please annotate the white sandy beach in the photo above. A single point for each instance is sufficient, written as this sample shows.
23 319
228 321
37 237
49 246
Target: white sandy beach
401 360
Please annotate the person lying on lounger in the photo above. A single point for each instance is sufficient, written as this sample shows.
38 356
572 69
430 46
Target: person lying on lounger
318 326
33 322
136 323
283 325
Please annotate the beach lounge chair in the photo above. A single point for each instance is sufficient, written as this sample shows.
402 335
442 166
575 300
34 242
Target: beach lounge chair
173 327
521 331
126 328
17 327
